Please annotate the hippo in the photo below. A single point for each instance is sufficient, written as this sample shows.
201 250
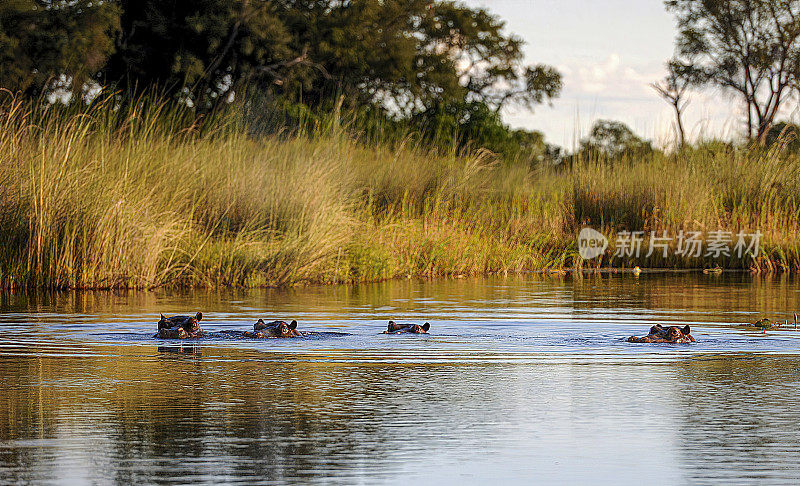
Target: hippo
765 324
394 328
274 329
661 334
180 327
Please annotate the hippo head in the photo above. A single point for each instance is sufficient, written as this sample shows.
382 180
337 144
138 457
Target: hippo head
278 329
672 334
190 323
180 327
669 334
394 328
194 322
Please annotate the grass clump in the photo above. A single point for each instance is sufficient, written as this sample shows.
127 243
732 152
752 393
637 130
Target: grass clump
136 193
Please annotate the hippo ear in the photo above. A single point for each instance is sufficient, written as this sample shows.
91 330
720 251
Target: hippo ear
293 325
163 318
198 316
686 330
426 326
659 326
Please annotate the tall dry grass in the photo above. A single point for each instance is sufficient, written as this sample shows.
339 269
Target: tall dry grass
138 193
706 188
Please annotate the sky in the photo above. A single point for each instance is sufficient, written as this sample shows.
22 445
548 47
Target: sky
608 52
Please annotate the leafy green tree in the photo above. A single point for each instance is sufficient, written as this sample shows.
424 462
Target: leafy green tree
44 42
200 49
614 140
486 60
751 47
411 55
368 51
438 64
475 124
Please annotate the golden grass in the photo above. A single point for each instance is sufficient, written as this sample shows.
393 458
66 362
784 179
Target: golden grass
141 196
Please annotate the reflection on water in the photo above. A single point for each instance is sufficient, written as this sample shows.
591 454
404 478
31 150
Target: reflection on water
521 379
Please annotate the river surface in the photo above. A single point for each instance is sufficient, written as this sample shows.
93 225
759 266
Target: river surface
521 379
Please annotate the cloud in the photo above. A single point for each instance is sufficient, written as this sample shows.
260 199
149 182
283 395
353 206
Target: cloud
594 79
611 77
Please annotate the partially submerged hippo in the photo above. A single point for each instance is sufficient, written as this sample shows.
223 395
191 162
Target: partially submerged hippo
394 328
274 329
765 324
661 334
180 327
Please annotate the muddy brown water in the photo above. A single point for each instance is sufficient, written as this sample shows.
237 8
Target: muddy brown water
521 379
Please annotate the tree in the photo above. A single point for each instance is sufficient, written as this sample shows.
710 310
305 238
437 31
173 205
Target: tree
473 123
200 49
614 140
673 90
438 64
368 51
44 42
411 55
404 56
751 47
488 62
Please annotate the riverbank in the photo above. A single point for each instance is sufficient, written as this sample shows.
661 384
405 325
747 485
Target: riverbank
101 200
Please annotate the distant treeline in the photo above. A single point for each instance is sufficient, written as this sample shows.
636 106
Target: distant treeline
436 67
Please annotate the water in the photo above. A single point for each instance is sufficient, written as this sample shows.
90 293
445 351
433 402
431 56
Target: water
521 379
